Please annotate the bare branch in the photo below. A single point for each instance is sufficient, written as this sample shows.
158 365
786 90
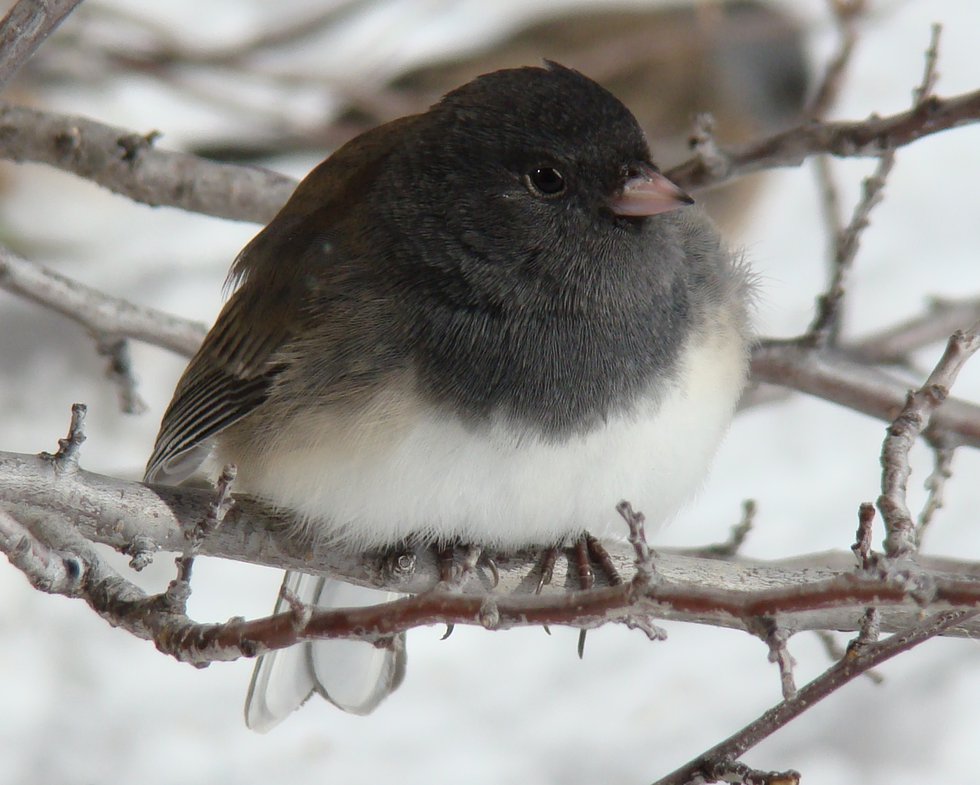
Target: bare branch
47 570
826 326
120 372
864 139
24 29
145 174
846 13
808 594
106 317
840 673
832 376
919 408
112 158
942 470
894 344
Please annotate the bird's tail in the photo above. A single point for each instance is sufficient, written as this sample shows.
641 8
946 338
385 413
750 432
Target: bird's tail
353 675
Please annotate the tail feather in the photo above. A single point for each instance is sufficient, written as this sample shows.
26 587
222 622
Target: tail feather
353 675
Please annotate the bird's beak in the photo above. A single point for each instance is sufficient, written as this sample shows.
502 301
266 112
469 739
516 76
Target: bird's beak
647 192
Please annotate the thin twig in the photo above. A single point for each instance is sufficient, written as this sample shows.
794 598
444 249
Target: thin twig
103 316
847 14
862 544
865 139
924 91
645 569
830 208
839 674
24 29
900 539
826 326
942 470
738 535
836 652
776 638
65 460
119 372
894 344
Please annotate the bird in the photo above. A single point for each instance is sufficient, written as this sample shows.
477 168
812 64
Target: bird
483 324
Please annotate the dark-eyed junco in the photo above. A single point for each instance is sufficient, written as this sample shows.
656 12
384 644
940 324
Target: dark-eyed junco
484 324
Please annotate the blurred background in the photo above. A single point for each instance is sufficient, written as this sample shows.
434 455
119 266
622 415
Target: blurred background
280 85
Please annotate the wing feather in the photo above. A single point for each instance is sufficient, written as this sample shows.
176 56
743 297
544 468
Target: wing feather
226 380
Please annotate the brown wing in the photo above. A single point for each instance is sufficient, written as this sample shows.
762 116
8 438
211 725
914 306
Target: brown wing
238 362
229 376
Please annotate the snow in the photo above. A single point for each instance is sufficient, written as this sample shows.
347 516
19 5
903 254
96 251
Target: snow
83 703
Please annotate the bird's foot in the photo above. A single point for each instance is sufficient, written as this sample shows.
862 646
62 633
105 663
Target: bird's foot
453 576
585 550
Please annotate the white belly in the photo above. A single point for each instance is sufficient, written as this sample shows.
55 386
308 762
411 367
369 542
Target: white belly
500 487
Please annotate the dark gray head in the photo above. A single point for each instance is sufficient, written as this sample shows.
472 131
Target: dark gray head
550 276
519 177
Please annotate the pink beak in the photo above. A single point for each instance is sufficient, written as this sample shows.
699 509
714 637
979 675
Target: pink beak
647 192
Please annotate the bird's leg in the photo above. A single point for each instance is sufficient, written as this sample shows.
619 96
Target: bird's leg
446 560
586 579
547 566
452 579
587 550
601 557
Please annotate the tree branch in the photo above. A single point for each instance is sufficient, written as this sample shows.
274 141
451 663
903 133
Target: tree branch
862 139
24 29
105 317
128 163
916 415
894 344
59 504
832 376
858 660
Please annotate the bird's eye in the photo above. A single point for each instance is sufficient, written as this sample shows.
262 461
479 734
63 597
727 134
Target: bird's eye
545 181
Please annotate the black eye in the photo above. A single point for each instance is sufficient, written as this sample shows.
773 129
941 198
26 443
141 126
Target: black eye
546 181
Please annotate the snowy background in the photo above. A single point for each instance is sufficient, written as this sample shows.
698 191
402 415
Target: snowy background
82 703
